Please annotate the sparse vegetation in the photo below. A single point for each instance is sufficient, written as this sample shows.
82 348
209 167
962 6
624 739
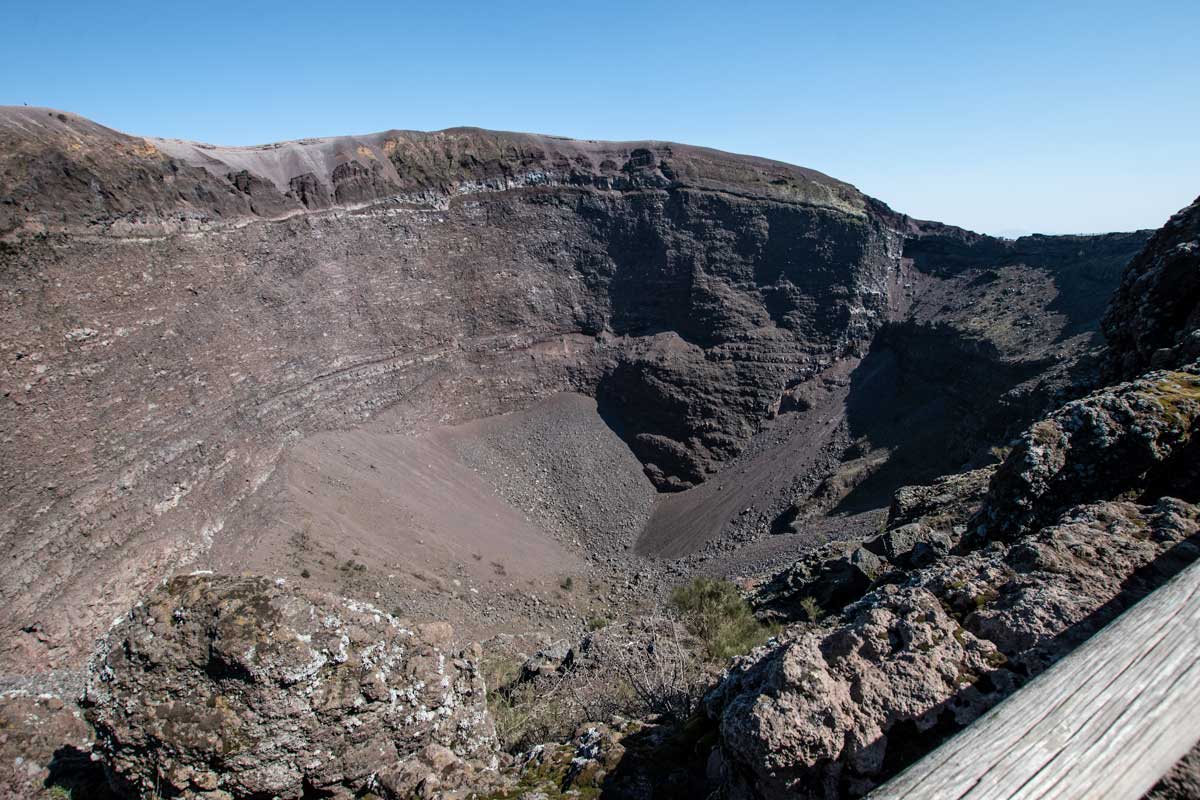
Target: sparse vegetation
812 609
1178 395
983 598
650 668
716 613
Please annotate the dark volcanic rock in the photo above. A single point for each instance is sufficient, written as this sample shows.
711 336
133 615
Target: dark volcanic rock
823 581
945 503
354 182
239 687
913 545
1182 782
45 751
747 294
1094 508
60 170
178 315
946 249
1154 319
309 191
265 201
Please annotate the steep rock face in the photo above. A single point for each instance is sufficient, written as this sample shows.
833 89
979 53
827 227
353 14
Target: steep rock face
1094 508
184 362
238 687
1154 320
991 335
730 301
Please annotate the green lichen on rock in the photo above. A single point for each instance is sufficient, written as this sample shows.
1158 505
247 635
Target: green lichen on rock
1178 395
1117 442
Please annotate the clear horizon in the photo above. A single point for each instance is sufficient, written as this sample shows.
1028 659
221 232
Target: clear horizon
1080 118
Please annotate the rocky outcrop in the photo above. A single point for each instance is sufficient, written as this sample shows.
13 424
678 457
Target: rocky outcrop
265 201
1122 441
354 182
239 687
1093 508
496 279
945 249
688 399
178 314
307 189
925 523
61 170
1154 319
835 709
946 503
617 759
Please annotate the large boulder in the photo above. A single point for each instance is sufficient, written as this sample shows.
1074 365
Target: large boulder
809 717
831 577
819 582
945 503
1121 441
223 687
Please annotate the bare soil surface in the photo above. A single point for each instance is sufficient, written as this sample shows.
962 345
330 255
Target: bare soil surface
483 523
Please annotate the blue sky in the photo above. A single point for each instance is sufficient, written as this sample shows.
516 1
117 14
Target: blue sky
1002 117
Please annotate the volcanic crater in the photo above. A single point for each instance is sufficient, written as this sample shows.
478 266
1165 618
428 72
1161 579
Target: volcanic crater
453 372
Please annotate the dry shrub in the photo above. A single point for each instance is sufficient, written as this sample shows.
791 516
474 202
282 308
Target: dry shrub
650 667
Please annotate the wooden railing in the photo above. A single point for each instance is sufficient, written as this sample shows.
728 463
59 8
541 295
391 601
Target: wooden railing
1108 721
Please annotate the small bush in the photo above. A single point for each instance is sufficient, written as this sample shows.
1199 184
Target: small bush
716 613
812 609
567 583
1000 453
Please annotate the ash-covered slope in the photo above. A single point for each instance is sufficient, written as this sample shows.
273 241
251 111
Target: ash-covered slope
178 316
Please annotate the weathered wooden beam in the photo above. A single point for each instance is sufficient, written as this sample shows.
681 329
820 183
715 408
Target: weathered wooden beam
1108 721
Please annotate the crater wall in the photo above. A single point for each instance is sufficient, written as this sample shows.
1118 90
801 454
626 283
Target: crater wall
177 315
